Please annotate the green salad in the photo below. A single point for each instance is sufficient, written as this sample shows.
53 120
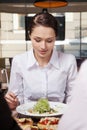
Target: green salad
41 106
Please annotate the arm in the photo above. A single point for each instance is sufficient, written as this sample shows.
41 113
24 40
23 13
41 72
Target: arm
15 89
71 76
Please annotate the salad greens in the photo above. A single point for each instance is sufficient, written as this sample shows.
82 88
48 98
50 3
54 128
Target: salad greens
42 106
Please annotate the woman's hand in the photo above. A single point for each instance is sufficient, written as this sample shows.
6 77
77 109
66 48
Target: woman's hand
12 100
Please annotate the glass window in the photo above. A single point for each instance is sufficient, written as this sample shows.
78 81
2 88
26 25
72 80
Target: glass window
13 37
84 34
72 32
18 22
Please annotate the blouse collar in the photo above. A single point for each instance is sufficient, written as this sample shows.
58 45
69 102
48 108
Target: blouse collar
53 61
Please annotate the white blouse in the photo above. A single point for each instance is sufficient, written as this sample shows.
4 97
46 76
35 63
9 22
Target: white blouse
55 81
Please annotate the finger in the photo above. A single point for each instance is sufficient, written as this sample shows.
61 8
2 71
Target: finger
12 94
10 98
12 104
9 101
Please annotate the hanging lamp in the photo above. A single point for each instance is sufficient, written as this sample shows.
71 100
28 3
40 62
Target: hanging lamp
50 3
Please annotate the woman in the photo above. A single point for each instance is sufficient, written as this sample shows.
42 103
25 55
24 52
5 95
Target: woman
42 72
75 117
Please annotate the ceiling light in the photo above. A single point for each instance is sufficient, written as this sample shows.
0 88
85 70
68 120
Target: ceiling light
50 3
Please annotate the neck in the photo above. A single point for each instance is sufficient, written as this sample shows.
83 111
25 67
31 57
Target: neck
42 61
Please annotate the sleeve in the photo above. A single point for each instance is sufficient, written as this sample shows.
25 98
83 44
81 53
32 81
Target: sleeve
16 80
71 77
6 120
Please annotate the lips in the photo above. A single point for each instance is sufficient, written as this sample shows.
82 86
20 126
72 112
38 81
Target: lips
43 52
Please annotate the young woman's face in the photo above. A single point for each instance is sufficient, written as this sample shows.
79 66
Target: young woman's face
43 40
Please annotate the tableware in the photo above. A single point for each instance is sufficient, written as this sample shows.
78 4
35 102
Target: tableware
57 106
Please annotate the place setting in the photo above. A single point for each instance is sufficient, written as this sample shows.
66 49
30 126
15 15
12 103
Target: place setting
40 115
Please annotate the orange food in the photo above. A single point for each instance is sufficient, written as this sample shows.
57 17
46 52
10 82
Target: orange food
48 123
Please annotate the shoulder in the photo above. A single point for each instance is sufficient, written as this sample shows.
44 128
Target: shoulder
84 63
21 57
83 68
67 62
66 58
20 60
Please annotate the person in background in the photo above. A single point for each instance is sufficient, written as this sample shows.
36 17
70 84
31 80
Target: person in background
42 72
75 116
6 120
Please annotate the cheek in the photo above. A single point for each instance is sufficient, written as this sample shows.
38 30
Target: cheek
50 47
34 44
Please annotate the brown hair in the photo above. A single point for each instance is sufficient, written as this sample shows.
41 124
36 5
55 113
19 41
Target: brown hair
44 19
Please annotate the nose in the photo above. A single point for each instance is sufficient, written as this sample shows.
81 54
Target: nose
43 45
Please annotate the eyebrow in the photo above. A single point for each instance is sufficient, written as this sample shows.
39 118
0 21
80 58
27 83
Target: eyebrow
46 38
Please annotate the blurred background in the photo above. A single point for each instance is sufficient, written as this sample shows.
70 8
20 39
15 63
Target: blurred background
15 16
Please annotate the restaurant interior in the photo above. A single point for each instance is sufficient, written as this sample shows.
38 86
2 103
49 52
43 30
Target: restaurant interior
15 17
14 39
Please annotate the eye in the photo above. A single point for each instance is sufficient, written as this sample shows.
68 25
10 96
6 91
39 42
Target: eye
49 40
37 39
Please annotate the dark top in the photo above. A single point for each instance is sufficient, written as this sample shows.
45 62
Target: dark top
6 120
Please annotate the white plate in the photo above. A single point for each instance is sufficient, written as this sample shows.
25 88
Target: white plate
59 107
